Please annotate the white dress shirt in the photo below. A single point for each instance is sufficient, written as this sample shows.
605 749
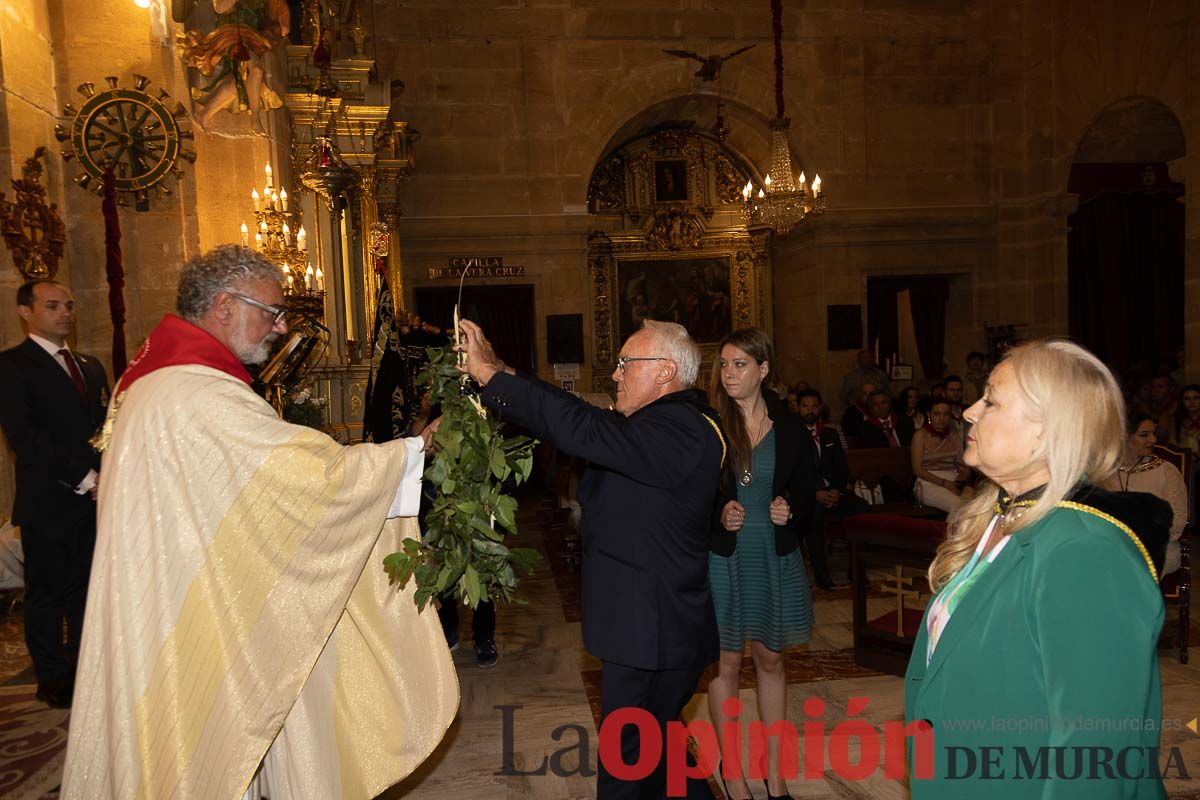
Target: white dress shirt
50 347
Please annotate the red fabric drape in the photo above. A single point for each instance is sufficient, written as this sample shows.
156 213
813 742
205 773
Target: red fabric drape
115 270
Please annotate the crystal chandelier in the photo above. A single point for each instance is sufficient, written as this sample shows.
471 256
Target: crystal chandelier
781 202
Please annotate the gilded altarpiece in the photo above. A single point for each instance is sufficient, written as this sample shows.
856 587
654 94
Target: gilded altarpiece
679 252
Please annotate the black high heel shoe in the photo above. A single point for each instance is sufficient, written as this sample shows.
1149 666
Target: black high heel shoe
774 796
725 786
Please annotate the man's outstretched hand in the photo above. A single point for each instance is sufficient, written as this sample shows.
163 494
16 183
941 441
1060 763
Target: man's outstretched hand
482 362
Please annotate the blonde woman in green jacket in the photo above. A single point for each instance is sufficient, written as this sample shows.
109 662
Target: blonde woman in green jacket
1035 664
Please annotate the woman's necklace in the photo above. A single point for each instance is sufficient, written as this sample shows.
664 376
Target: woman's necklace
1124 473
1009 511
747 477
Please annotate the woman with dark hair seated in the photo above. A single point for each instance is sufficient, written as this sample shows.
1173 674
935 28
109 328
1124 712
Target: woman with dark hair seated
1142 471
937 460
1185 424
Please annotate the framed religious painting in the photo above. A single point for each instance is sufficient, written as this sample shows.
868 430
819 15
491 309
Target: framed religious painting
694 291
670 180
718 285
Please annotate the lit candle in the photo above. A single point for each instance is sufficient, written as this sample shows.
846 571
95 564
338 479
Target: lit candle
457 339
258 240
245 235
257 200
816 185
269 184
308 278
767 181
283 198
287 234
746 190
320 280
302 239
803 180
262 227
761 194
291 282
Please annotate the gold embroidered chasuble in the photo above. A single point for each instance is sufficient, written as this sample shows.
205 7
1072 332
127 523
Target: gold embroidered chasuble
238 610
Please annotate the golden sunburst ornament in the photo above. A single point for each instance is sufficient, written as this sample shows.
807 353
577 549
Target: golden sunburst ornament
138 134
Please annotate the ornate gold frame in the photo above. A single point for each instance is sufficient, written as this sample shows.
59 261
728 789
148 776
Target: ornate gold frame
750 278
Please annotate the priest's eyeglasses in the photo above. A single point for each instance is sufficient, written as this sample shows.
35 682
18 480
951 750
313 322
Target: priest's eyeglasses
624 361
277 312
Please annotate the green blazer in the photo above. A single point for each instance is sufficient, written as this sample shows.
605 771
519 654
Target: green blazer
1054 646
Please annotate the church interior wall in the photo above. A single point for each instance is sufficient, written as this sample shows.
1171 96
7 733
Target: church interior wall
944 132
27 119
890 106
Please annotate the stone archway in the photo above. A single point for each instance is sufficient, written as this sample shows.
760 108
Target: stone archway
1126 240
659 94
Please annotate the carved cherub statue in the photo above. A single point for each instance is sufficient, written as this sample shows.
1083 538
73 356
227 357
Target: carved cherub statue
232 58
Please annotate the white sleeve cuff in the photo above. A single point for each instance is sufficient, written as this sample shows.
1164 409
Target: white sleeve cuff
408 494
87 483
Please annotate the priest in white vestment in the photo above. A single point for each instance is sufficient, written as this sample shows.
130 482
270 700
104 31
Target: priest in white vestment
241 637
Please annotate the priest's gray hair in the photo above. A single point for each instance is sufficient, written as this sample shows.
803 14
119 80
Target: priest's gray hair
223 269
674 343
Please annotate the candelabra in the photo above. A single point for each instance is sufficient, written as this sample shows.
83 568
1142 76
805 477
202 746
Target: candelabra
779 202
280 237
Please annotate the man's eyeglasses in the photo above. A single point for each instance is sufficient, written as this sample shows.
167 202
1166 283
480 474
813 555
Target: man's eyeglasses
277 312
624 361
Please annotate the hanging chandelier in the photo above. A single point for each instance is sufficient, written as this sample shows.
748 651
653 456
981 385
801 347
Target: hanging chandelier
782 201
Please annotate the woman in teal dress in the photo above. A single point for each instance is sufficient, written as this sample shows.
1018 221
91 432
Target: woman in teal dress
756 571
1036 665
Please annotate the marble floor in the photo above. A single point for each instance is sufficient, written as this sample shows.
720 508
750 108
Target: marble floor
544 690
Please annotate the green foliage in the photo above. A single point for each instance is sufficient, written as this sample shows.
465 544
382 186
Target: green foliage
464 548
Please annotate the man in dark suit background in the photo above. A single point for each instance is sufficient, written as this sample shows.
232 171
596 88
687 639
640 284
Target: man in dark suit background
825 474
882 427
53 400
647 499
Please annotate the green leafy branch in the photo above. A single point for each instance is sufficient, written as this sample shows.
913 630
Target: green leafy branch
463 552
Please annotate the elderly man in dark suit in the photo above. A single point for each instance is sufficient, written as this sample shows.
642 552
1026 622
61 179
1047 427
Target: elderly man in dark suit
647 501
52 401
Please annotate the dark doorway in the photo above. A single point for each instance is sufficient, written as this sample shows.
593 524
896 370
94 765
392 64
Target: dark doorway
928 295
1126 266
1125 246
504 312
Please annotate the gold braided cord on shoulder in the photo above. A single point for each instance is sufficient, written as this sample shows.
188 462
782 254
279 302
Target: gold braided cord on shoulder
1095 512
720 437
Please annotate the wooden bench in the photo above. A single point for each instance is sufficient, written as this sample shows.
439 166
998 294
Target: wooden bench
898 550
870 465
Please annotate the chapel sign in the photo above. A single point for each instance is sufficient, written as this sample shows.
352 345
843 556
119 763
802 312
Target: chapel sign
476 267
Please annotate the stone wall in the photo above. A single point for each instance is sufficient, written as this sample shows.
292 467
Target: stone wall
46 51
944 132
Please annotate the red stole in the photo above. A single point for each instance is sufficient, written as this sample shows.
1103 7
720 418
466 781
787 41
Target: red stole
175 342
